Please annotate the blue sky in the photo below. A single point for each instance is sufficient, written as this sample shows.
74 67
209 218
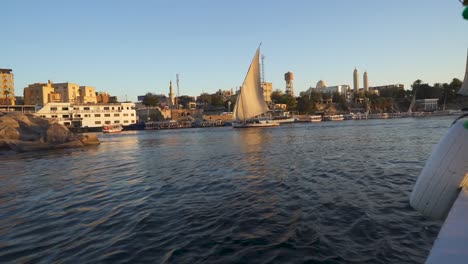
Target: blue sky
128 48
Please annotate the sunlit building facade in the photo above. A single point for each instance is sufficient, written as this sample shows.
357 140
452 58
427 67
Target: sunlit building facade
7 87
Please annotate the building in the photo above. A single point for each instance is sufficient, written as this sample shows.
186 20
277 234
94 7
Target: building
87 95
225 93
102 97
322 87
366 82
356 81
89 116
289 78
427 105
40 94
267 90
43 93
69 92
388 86
7 87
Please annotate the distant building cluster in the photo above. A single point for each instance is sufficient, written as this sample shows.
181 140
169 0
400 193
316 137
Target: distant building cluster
43 93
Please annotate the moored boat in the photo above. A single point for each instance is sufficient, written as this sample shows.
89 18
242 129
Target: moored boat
112 128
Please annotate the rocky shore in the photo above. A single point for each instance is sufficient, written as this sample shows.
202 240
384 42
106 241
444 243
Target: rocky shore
26 132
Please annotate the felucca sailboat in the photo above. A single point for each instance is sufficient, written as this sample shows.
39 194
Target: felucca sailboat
251 109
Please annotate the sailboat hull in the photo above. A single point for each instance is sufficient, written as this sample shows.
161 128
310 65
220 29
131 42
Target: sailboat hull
257 123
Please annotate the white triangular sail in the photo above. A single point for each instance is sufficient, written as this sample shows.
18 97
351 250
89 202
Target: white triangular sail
250 102
464 89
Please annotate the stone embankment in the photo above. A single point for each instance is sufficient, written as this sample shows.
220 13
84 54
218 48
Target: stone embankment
27 132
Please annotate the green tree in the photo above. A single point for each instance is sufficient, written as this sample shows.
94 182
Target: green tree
204 99
276 96
289 100
217 100
150 99
184 100
306 104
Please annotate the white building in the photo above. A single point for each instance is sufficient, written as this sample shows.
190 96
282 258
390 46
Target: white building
322 87
90 115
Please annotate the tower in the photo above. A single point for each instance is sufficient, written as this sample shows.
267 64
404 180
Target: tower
178 92
289 77
171 94
366 82
464 88
356 81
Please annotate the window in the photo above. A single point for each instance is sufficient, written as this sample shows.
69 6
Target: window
97 115
133 114
106 108
133 121
87 115
108 122
65 116
53 109
65 108
86 108
54 116
125 114
66 123
116 121
78 115
125 121
116 114
107 115
97 122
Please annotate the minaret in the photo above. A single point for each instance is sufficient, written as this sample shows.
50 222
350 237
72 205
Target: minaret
464 88
171 94
366 82
356 81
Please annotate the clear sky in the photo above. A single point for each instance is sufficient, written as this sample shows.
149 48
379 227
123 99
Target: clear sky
128 48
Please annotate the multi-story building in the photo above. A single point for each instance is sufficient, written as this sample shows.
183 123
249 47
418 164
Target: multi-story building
90 115
43 93
40 94
7 87
102 97
69 92
267 90
87 95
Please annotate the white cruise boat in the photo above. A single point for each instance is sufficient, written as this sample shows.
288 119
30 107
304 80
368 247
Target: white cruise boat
93 116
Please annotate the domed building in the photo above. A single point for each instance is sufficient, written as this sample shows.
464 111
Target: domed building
321 84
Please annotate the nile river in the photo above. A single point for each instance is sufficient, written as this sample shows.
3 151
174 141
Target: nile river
329 192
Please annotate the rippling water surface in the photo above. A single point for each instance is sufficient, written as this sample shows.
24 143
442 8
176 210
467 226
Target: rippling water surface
331 192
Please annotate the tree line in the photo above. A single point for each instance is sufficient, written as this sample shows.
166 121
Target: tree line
388 100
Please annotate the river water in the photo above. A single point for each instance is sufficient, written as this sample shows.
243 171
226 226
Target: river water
329 192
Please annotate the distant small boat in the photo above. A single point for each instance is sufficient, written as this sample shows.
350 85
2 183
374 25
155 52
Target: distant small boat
114 128
284 119
333 118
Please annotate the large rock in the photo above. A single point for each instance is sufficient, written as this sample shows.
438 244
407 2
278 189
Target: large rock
27 132
58 134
